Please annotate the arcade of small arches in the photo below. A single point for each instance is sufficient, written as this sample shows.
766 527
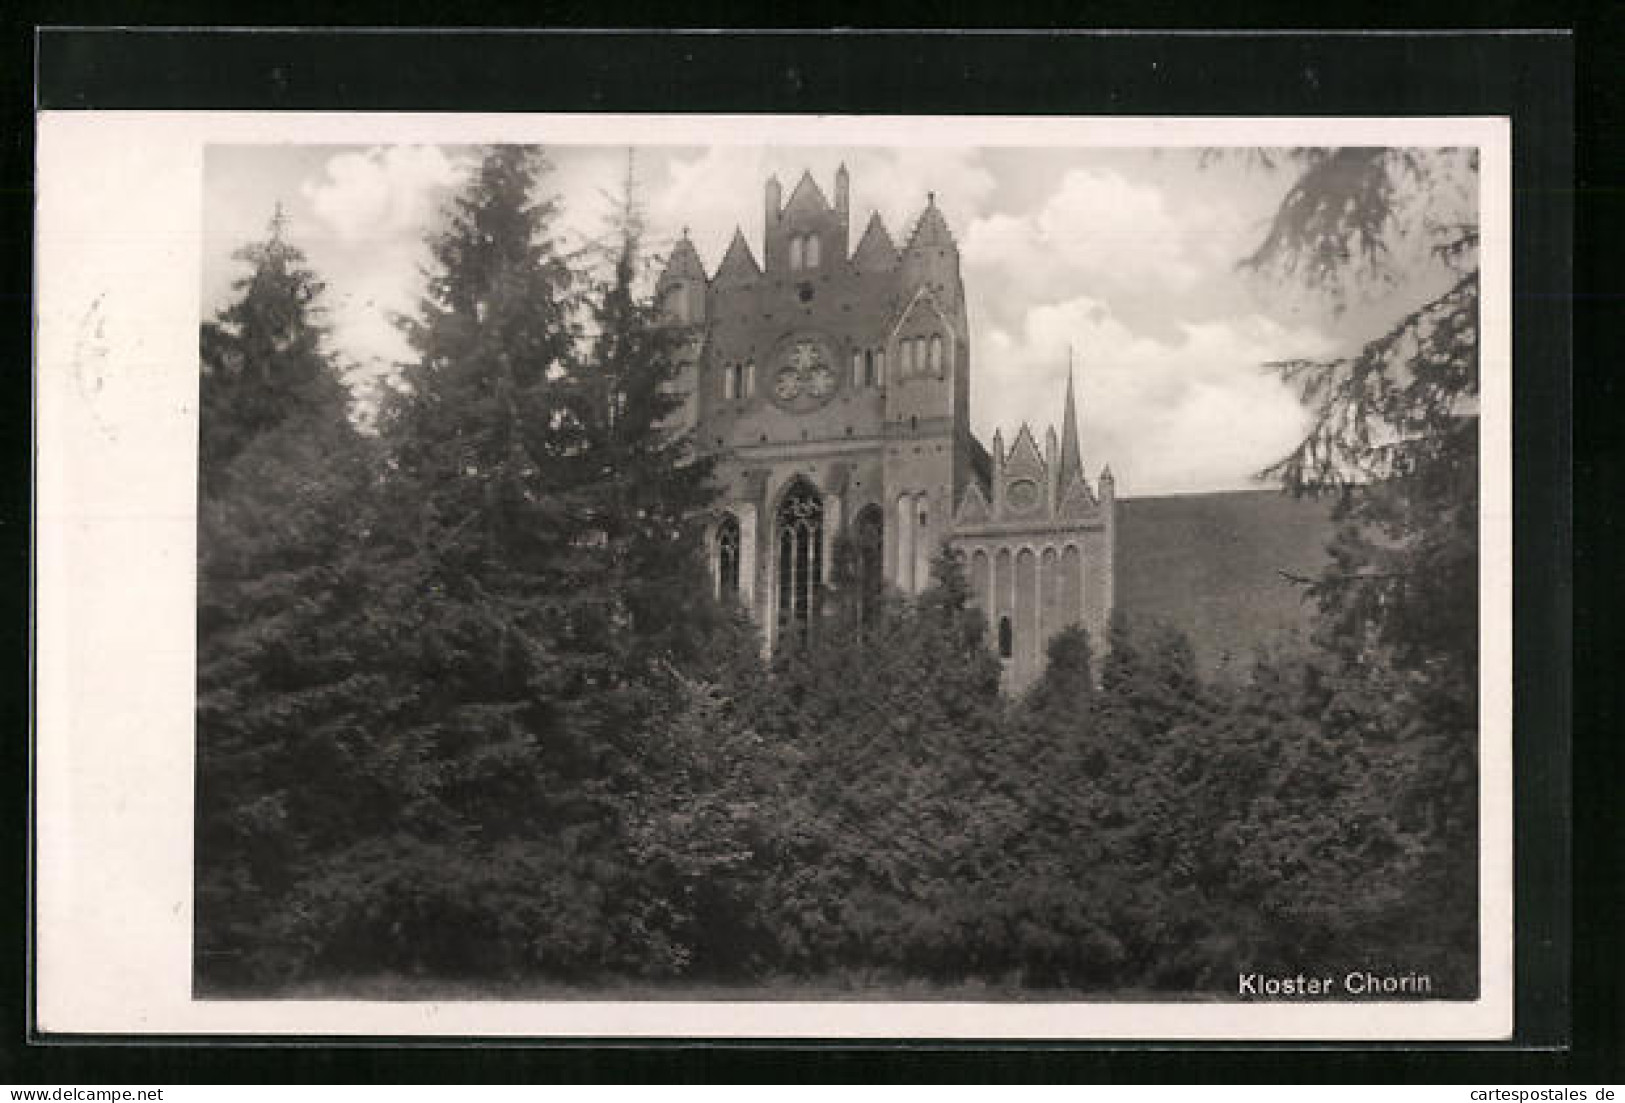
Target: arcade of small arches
1028 593
921 355
1029 590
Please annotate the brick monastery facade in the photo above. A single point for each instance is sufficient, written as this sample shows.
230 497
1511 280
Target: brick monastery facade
833 385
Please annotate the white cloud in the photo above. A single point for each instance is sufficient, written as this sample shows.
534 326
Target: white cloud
1099 234
1193 412
383 193
370 213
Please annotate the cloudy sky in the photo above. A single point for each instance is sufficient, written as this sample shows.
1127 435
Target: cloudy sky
1126 255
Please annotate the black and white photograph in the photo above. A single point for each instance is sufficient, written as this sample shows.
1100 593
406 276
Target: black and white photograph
840 567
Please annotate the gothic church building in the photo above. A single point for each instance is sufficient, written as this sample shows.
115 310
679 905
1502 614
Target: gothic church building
833 385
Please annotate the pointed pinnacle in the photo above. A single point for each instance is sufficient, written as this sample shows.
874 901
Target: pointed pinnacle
1071 453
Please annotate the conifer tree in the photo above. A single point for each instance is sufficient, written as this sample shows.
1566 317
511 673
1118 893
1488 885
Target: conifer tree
1064 693
470 843
1394 427
263 356
282 510
646 489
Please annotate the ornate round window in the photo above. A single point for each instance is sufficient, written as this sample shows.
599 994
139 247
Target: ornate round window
803 373
1022 494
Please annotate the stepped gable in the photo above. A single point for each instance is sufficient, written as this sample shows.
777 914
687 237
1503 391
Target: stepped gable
973 507
931 229
1212 565
875 252
685 260
807 198
738 263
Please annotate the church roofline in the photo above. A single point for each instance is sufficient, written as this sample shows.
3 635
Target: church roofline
684 259
817 194
738 260
876 238
930 228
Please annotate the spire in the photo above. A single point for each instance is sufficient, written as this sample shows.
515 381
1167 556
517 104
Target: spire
1071 457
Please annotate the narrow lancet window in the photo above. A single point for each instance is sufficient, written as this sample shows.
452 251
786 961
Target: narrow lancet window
728 557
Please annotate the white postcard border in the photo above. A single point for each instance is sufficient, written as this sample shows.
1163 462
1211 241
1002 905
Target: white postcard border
117 286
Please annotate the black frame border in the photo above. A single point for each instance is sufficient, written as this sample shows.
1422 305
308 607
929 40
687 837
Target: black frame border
1525 75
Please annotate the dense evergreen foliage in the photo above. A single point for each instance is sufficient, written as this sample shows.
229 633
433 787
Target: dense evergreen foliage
469 713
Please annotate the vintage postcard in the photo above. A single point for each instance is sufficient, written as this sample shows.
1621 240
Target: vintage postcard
772 577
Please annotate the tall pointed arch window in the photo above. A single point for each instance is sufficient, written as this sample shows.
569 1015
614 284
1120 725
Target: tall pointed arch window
800 524
728 557
812 251
796 252
936 354
1006 639
869 368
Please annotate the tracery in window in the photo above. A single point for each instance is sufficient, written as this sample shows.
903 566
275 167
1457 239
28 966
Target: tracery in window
800 523
728 557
